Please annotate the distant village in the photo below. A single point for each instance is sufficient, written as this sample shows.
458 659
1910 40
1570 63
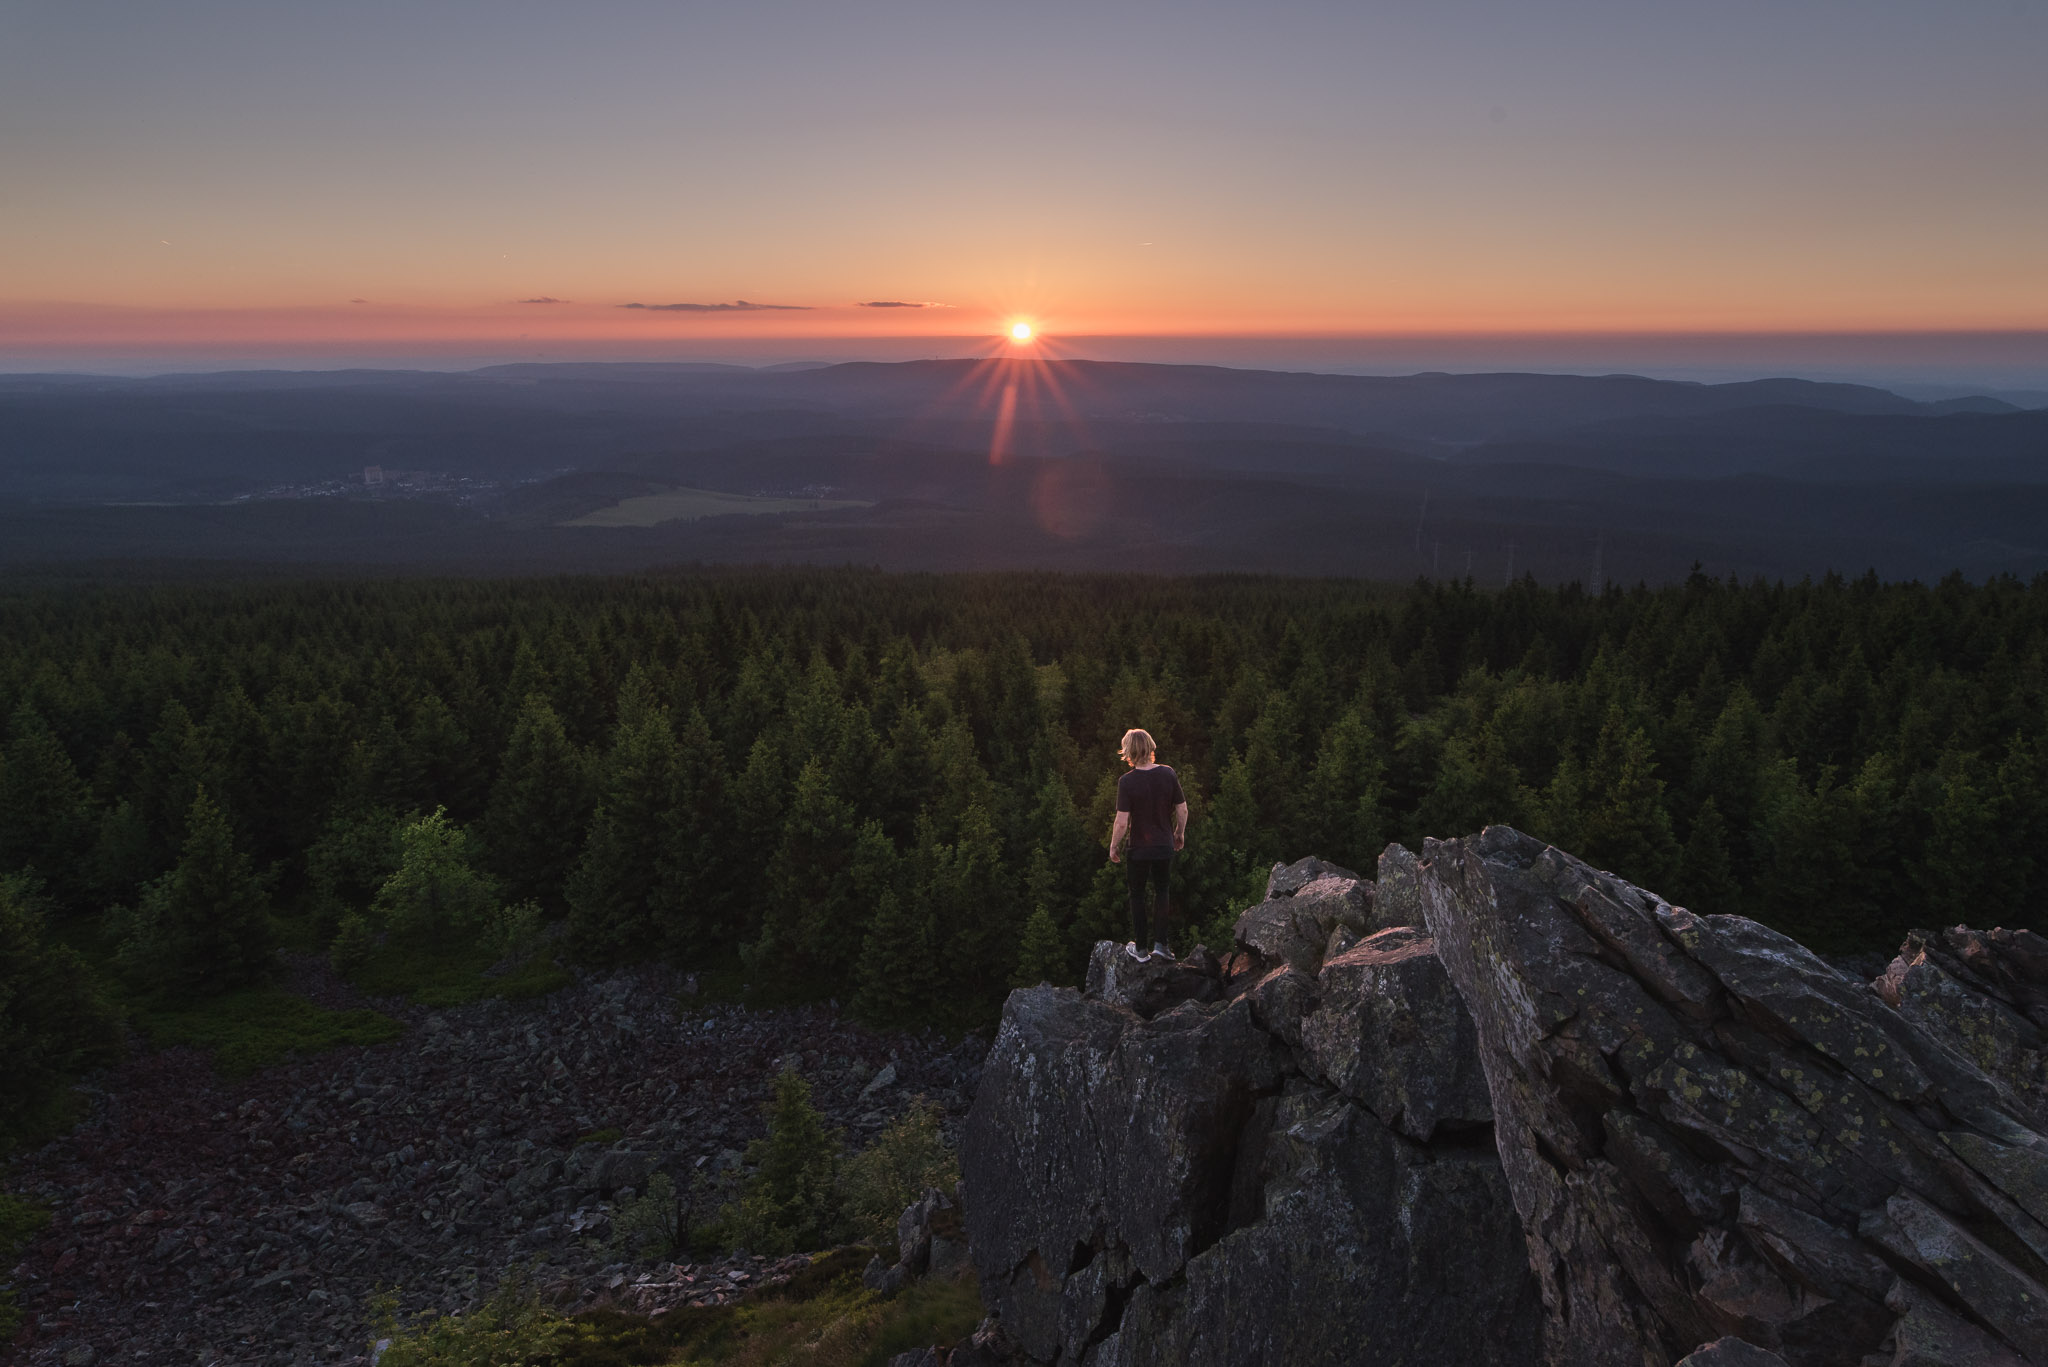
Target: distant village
378 481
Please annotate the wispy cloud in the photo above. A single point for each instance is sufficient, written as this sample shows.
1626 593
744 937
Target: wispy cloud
736 306
901 304
543 299
359 301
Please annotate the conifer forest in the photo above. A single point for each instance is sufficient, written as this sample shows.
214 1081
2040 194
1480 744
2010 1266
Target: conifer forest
895 791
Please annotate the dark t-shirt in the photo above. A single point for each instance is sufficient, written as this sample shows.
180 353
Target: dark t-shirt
1150 795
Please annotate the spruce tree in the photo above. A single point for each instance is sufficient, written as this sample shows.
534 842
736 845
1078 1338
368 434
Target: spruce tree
793 1199
618 898
701 865
1705 881
898 973
47 824
815 903
534 828
1624 826
1041 953
1346 809
204 927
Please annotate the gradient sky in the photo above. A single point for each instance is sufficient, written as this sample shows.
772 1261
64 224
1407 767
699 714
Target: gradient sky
215 174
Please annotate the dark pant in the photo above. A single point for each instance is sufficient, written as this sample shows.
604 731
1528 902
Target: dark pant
1142 872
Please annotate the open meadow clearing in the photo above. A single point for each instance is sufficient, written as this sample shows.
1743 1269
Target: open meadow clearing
688 505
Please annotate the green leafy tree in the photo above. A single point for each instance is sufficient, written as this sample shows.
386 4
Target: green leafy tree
435 891
204 927
907 1157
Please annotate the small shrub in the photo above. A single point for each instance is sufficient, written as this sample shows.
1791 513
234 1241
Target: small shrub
653 1224
909 1155
511 1329
516 929
353 943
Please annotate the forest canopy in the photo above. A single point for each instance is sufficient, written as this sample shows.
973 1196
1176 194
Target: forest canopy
896 789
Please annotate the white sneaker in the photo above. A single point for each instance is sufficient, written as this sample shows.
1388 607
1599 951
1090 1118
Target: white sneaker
1131 948
1160 951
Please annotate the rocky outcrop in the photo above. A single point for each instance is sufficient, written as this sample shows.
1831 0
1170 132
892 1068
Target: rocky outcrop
1709 1133
1293 1166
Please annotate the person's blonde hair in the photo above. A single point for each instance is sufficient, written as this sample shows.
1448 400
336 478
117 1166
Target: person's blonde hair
1138 744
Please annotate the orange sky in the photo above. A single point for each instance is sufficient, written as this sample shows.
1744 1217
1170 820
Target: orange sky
226 175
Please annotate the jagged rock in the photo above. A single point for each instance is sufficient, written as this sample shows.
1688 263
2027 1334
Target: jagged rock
1397 896
925 1223
883 1278
884 1079
1730 1352
612 1171
1295 927
1392 1035
1148 986
1281 1001
1288 879
1709 1132
1172 1191
989 1346
1985 995
1929 1336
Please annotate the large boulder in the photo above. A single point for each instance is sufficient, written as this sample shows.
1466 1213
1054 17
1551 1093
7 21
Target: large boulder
1287 879
1294 925
1710 1133
1099 1138
1391 1034
1178 1190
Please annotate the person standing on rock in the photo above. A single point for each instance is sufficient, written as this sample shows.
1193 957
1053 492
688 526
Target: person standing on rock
1151 826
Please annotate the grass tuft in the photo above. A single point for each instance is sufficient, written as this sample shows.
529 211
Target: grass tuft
823 1317
452 975
259 1026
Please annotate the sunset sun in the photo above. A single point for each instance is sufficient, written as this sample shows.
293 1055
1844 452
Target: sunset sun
1020 332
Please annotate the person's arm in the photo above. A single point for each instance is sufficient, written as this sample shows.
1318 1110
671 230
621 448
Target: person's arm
1119 832
1180 826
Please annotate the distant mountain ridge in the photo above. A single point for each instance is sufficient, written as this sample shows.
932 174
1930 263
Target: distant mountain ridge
1020 462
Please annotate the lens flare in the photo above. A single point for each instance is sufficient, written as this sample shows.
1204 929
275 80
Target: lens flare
1020 332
